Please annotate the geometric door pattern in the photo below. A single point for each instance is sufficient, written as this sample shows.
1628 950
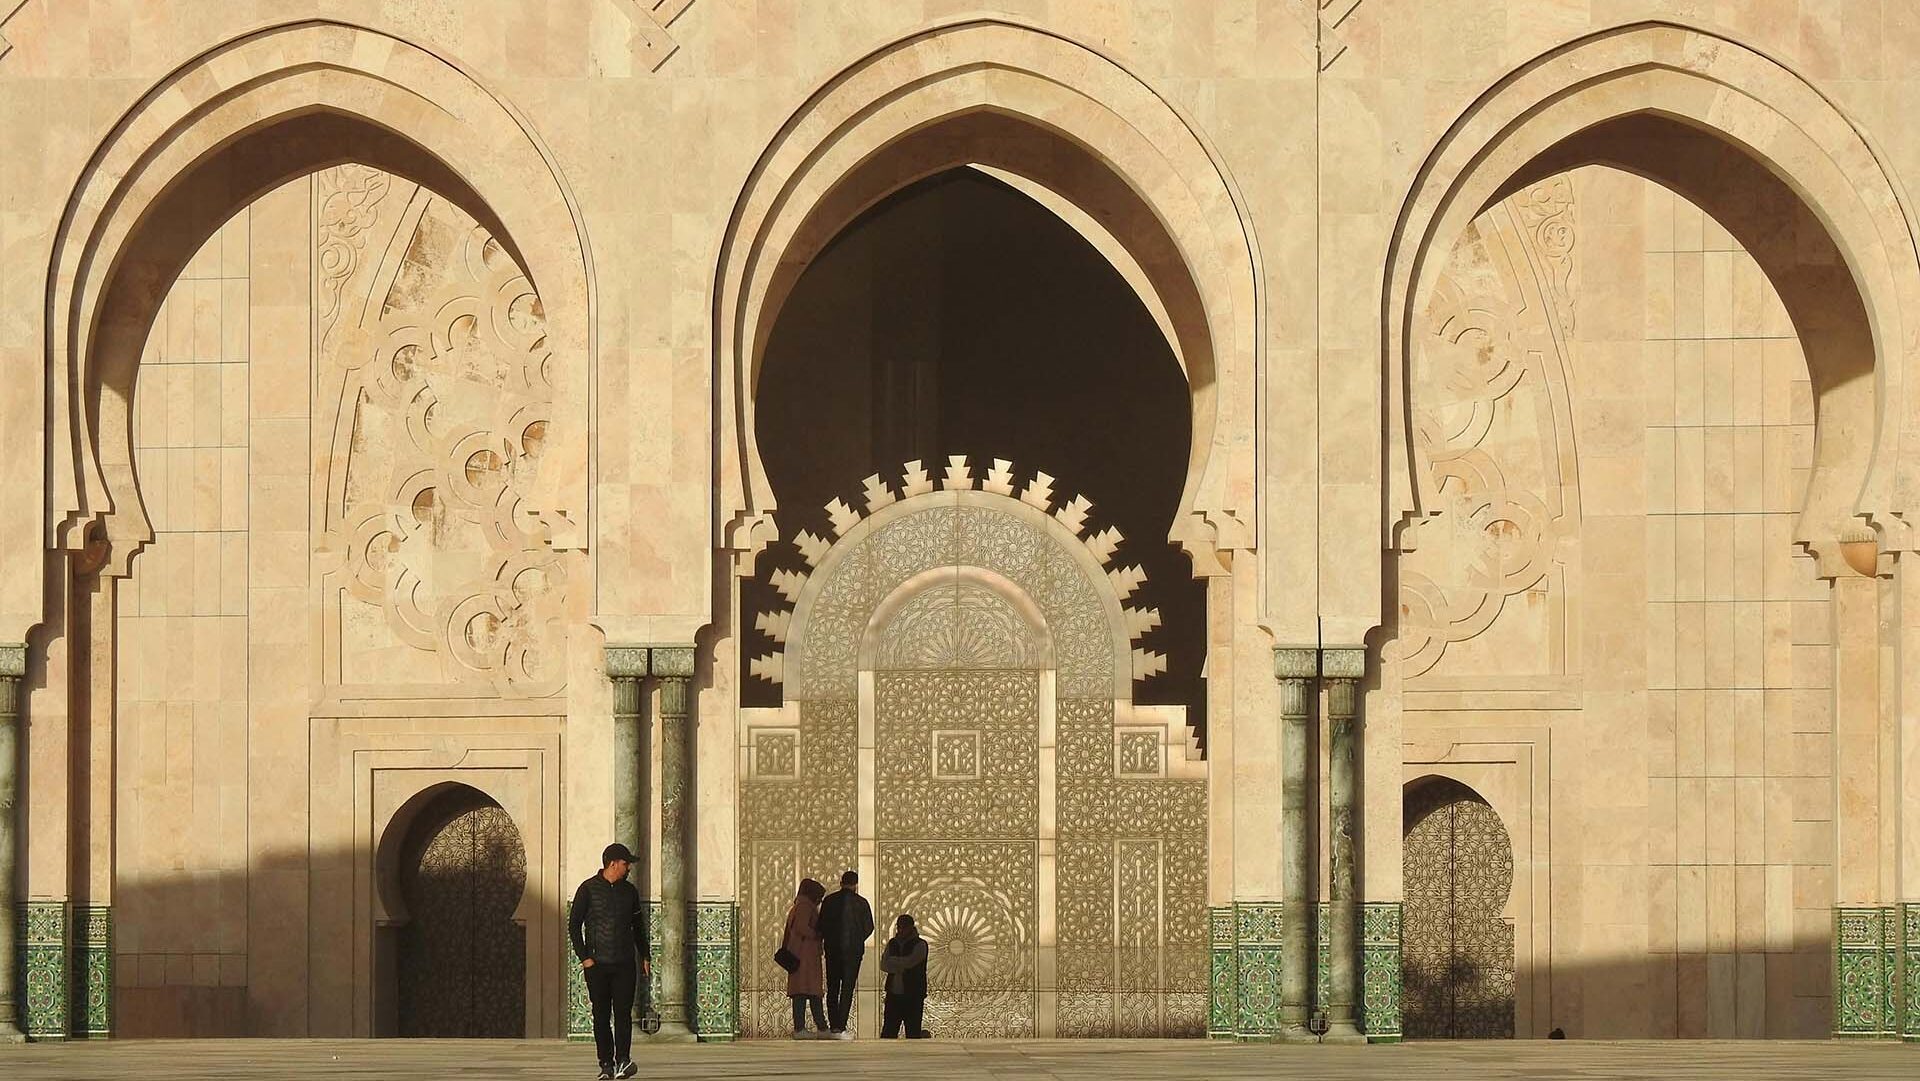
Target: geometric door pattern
958 683
1457 948
462 956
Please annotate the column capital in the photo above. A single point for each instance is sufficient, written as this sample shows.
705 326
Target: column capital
626 662
13 661
1343 662
1296 662
672 662
639 662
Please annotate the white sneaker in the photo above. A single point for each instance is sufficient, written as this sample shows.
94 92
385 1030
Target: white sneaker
802 1034
843 1034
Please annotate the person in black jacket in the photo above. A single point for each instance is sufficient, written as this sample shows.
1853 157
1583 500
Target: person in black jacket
905 963
608 927
846 922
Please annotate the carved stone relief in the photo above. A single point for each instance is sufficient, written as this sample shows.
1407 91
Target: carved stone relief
435 377
1494 431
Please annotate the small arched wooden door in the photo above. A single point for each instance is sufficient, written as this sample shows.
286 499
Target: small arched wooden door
462 957
1457 947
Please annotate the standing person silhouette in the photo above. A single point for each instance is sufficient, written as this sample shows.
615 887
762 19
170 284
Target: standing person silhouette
608 929
905 963
846 922
801 937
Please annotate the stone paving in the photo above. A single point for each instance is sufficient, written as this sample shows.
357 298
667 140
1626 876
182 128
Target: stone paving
937 1061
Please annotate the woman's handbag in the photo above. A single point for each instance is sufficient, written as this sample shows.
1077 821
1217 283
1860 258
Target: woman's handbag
786 959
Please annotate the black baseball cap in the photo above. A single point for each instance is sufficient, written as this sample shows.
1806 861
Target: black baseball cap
615 851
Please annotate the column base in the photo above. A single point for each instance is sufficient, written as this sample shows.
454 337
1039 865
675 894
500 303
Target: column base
1343 1032
1297 1034
10 1034
670 1032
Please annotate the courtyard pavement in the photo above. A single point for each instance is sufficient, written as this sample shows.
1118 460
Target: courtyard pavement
1158 1060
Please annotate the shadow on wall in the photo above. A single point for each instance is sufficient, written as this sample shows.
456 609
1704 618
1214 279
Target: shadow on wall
439 945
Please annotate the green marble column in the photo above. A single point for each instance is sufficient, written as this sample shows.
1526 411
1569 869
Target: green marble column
1341 670
13 667
626 667
672 666
1295 667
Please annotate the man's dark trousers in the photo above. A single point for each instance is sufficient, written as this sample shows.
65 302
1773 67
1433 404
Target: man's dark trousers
843 969
610 989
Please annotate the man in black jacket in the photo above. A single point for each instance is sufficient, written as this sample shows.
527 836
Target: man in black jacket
608 927
846 922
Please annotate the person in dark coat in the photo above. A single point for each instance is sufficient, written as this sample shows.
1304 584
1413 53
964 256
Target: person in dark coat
905 963
608 927
846 922
806 984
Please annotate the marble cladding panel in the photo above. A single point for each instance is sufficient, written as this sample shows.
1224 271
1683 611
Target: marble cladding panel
1736 623
183 621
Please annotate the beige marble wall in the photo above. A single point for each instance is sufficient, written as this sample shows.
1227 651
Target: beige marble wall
1689 700
183 690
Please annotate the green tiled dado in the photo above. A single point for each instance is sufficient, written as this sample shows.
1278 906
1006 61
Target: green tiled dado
42 930
1864 965
1223 1010
1380 971
716 967
579 1013
91 973
1910 971
656 933
1257 941
1322 956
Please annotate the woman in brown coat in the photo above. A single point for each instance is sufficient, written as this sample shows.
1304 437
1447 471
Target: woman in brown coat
807 983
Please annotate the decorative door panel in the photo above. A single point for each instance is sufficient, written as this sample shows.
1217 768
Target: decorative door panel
463 958
954 670
1456 947
975 903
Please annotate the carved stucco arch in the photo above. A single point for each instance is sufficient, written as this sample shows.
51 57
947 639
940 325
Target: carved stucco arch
1031 104
1716 85
246 86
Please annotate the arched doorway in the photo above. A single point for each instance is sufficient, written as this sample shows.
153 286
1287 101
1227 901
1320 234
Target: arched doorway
1456 945
461 955
958 722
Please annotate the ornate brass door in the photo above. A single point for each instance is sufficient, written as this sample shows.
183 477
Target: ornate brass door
954 675
463 959
956 794
1457 948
